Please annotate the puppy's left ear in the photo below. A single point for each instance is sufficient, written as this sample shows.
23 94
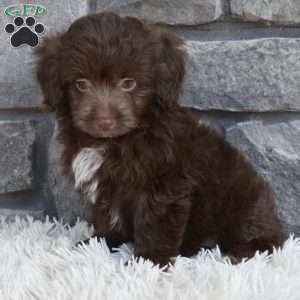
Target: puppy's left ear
170 70
48 72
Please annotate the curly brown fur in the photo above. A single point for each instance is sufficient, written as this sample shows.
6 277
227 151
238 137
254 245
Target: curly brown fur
157 177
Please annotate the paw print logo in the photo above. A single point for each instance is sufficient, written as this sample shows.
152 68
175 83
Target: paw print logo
24 33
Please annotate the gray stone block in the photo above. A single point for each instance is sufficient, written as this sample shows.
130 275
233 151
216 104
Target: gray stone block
188 12
16 142
18 88
277 11
250 75
275 151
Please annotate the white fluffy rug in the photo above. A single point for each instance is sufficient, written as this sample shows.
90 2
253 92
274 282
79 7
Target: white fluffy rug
39 261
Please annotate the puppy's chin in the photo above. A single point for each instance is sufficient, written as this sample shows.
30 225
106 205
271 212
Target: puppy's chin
107 133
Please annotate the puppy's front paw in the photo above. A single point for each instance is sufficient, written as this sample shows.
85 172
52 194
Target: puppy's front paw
111 244
234 260
161 261
84 242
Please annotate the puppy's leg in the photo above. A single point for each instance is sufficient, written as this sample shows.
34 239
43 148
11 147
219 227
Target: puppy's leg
256 227
159 228
111 240
248 249
114 235
256 237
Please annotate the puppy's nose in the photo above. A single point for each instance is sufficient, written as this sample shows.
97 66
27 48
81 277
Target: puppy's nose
106 124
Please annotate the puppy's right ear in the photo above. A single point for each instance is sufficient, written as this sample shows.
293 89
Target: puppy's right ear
48 71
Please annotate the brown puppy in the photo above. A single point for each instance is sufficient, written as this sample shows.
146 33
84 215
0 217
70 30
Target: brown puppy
157 178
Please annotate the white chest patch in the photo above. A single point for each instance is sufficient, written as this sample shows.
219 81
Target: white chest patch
114 218
85 165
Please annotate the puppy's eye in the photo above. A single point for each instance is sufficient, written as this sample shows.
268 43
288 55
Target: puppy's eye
83 85
127 84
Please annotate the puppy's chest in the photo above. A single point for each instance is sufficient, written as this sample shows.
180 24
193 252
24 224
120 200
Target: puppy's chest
86 166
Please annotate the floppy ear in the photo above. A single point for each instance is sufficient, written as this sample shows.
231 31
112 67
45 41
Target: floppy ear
170 70
48 71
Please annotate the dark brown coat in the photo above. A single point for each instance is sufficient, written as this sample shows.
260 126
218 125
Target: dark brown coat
174 184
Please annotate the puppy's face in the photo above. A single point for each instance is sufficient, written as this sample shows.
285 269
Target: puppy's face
106 72
106 109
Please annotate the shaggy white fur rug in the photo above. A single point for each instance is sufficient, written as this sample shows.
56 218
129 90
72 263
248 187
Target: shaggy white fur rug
39 261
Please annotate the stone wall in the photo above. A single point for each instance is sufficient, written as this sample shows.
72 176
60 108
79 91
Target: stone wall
243 78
